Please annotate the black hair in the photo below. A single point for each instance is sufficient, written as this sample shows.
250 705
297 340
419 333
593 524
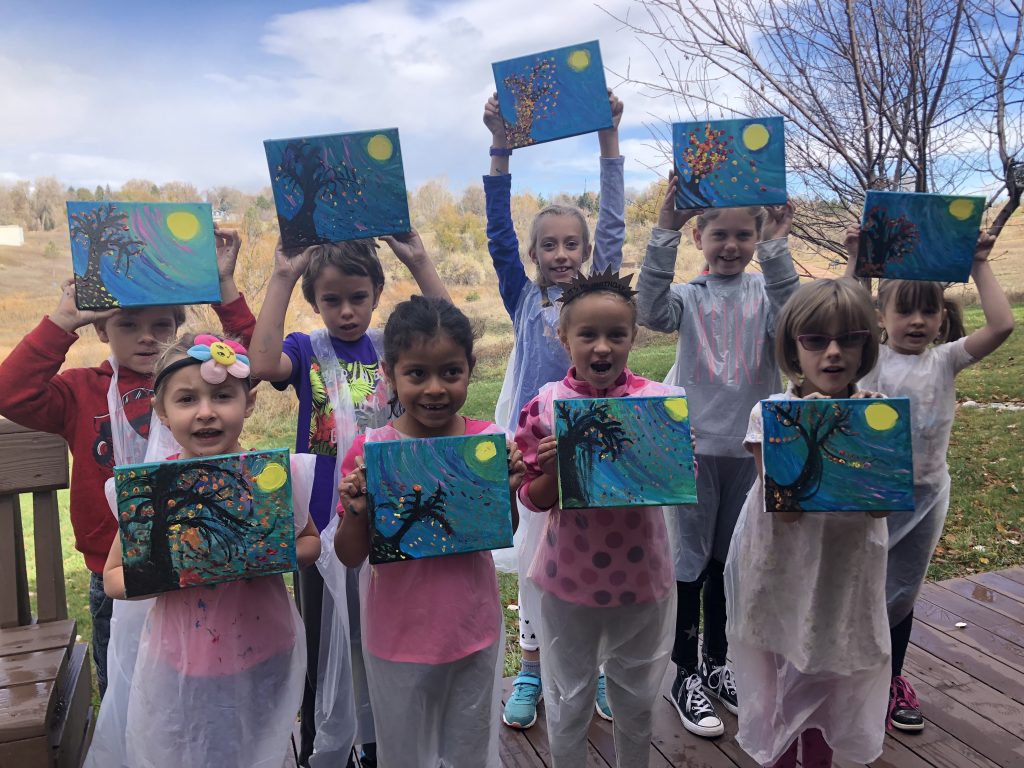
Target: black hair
422 318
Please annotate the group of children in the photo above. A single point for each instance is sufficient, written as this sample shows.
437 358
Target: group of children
813 611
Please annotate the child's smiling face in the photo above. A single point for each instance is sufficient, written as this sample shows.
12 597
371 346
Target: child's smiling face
559 250
728 241
206 419
598 330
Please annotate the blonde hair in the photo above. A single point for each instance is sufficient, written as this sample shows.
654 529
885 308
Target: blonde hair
908 295
757 212
815 308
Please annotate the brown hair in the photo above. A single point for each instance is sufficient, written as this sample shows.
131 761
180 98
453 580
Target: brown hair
558 210
909 295
353 257
814 308
757 212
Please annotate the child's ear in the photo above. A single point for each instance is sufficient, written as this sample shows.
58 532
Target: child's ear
697 238
158 407
101 330
533 256
881 319
378 291
563 337
387 373
250 402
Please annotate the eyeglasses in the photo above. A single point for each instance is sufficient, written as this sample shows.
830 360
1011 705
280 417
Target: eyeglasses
817 342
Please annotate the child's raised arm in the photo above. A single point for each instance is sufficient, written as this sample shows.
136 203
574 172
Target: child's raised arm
229 243
610 231
266 354
780 278
658 307
998 313
502 243
409 249
852 244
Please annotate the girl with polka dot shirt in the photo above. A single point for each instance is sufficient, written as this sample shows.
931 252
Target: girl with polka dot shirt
607 591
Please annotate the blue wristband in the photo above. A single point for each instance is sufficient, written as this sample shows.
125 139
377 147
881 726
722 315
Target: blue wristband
501 152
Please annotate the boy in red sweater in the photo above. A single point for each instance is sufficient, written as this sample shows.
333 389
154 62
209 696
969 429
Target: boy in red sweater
74 404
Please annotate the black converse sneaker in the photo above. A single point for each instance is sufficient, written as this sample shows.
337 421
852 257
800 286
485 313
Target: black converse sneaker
694 709
720 683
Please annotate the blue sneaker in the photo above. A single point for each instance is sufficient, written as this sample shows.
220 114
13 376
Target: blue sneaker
521 707
601 700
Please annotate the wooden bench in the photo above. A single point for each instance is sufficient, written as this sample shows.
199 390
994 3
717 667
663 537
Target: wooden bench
45 680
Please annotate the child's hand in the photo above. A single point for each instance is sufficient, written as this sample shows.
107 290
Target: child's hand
408 247
516 466
292 262
778 223
352 491
229 243
495 122
547 455
984 247
864 393
68 316
852 240
668 216
616 106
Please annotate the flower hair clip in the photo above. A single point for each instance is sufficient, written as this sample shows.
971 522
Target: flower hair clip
219 357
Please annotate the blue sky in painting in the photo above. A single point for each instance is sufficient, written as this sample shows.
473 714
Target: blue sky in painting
655 468
876 472
170 269
477 497
946 228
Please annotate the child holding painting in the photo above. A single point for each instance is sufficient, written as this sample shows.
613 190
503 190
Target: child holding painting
559 246
603 576
924 347
433 636
726 323
806 591
219 671
104 413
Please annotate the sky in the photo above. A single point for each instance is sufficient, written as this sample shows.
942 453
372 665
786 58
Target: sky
104 91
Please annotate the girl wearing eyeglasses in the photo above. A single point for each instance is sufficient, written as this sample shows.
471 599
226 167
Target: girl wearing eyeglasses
924 346
807 628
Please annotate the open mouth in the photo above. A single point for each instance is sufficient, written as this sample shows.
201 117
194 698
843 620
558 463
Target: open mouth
434 407
833 369
207 434
601 367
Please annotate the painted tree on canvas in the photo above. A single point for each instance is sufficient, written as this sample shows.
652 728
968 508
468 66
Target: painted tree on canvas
703 155
591 434
104 232
823 427
885 239
310 175
535 94
411 510
200 507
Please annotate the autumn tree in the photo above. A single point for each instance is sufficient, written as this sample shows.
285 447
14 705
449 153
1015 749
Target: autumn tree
411 509
104 232
920 96
591 435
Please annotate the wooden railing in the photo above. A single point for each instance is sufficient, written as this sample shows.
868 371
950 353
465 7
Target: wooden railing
36 463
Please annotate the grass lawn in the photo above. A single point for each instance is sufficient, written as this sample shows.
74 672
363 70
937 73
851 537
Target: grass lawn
984 530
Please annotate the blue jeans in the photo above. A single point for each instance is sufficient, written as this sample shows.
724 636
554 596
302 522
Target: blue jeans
100 606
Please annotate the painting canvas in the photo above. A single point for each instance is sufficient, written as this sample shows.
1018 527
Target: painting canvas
553 95
730 163
838 455
919 236
143 254
624 452
338 187
202 521
437 496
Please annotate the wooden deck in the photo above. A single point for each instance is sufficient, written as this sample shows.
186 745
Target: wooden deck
970 682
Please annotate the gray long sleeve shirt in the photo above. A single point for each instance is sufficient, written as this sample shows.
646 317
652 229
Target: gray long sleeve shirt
725 357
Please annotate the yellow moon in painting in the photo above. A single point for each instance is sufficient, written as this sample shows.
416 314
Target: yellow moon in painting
579 60
271 478
183 225
677 408
755 136
485 451
961 208
380 148
880 416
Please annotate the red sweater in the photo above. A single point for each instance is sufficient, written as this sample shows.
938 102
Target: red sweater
73 404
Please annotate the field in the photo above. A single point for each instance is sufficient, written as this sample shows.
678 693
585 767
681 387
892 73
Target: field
985 528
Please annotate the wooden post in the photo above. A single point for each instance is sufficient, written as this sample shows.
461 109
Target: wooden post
36 463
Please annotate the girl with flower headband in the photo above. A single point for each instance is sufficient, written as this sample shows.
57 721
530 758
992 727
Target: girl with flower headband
604 576
220 668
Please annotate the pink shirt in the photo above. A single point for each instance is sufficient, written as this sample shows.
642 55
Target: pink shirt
435 610
596 557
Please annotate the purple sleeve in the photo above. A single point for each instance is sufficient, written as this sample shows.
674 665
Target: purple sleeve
502 242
